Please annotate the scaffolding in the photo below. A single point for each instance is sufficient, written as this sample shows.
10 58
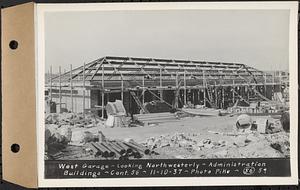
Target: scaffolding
124 74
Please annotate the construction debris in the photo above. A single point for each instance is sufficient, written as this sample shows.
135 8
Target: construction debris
89 137
77 120
280 142
182 140
244 122
232 144
259 108
56 140
282 147
261 125
266 125
258 137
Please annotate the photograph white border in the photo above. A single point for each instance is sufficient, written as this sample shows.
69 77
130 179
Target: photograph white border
41 9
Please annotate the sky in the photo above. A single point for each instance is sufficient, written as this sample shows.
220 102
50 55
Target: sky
258 38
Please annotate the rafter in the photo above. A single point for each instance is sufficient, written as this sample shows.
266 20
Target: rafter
130 68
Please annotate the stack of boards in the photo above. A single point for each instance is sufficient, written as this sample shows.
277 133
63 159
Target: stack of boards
153 118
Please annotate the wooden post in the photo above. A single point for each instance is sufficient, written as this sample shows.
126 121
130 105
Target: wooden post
204 88
280 78
143 101
102 99
160 83
216 94
198 98
223 98
83 105
50 83
184 81
76 110
71 88
265 84
122 89
248 98
60 89
233 94
176 91
193 94
273 85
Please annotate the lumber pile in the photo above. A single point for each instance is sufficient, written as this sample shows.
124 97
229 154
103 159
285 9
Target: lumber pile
156 117
55 156
117 149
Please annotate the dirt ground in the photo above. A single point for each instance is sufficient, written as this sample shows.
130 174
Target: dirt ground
202 137
199 125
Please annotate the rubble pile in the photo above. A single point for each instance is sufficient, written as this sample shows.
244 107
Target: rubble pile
187 141
58 132
68 135
55 141
280 142
77 120
249 144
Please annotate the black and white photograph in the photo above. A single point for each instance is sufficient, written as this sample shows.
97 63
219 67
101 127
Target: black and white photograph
184 83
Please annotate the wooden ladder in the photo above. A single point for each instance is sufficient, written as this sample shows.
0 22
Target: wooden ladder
139 103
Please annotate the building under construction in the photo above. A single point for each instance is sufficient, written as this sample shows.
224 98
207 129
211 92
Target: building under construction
176 83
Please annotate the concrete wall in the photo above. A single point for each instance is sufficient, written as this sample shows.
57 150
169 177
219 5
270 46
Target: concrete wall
77 101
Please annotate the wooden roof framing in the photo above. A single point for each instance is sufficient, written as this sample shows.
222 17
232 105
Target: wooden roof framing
135 69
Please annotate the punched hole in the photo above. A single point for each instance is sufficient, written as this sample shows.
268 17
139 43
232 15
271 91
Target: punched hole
15 148
13 44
